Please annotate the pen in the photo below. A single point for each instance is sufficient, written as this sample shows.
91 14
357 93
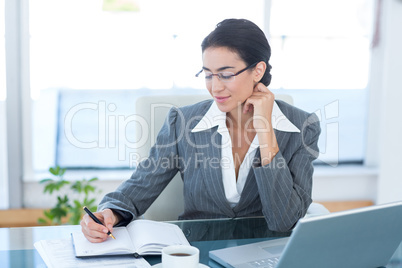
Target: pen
97 220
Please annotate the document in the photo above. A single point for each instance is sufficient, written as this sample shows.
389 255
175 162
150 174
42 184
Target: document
142 237
60 254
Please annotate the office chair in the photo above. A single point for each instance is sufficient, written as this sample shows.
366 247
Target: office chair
154 109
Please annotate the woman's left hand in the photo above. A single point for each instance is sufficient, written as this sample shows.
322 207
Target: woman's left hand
260 103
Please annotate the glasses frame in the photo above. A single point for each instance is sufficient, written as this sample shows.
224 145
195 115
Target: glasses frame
219 75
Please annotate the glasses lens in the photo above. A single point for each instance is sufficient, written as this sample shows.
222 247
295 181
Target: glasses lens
208 75
226 76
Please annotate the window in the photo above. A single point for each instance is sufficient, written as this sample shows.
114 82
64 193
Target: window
320 44
157 46
321 56
91 61
88 69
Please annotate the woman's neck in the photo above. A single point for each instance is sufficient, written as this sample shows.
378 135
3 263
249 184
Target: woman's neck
237 119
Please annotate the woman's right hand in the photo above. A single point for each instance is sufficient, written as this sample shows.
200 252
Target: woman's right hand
95 232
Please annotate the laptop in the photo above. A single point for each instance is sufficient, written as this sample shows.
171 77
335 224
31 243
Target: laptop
364 237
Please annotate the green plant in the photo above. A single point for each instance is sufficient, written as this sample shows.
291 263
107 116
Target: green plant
121 5
67 209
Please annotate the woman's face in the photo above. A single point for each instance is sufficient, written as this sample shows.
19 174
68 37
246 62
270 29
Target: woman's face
228 95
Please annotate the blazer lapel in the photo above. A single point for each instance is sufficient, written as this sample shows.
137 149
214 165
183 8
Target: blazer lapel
208 145
250 190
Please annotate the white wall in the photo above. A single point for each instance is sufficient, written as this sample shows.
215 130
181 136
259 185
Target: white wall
381 179
3 158
389 106
344 183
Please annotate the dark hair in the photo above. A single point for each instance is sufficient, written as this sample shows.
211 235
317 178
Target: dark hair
245 38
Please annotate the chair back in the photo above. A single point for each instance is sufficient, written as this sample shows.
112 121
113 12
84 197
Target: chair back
154 109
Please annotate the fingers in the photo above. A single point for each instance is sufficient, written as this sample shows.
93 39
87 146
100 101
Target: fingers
93 231
260 87
255 100
108 219
248 106
261 90
260 97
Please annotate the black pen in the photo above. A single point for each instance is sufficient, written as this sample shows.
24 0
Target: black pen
97 220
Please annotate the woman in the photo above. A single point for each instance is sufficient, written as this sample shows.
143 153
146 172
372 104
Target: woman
240 154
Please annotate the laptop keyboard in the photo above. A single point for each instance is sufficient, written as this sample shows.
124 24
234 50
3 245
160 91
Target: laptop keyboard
265 263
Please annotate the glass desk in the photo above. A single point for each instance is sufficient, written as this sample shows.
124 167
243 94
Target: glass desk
17 250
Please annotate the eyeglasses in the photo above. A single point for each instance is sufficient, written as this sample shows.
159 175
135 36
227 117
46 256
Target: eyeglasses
224 76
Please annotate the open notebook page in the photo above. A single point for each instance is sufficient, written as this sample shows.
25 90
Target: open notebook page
121 245
151 236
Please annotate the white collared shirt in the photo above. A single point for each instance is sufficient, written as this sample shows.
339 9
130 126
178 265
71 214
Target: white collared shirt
215 117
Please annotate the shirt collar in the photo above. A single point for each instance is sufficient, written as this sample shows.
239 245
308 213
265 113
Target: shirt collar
215 117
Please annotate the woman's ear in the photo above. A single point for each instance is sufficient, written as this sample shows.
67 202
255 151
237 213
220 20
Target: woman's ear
259 71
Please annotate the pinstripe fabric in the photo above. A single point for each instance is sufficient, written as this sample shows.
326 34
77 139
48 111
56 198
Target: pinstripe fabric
280 191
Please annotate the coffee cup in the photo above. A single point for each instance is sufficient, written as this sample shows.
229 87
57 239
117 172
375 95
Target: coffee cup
180 256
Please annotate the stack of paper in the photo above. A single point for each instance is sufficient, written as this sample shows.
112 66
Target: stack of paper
60 254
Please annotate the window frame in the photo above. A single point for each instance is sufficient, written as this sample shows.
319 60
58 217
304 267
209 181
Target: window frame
18 103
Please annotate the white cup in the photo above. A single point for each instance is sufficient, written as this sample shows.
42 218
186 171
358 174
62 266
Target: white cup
180 256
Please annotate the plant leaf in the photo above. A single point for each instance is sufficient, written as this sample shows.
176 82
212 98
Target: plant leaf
78 204
42 221
62 171
93 179
57 170
45 180
68 207
53 171
49 188
48 214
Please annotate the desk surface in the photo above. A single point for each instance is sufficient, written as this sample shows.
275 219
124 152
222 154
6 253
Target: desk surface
17 250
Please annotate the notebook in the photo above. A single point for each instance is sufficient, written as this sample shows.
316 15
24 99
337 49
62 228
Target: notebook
140 237
365 237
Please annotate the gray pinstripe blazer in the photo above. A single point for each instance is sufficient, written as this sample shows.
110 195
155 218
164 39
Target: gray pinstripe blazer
280 191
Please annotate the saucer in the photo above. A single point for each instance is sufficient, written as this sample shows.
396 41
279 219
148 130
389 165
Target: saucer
200 265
